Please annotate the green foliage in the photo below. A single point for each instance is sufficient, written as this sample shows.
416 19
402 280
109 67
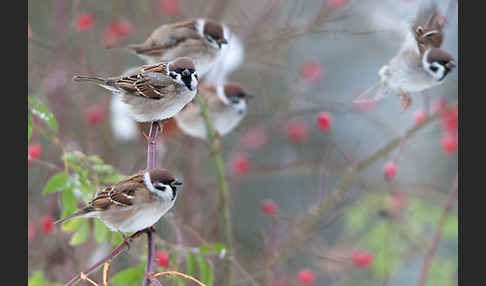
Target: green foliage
29 127
389 239
129 276
58 182
442 273
42 111
37 279
81 234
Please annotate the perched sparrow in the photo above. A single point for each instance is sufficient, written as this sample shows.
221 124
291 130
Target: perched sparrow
419 65
134 203
198 39
153 92
226 105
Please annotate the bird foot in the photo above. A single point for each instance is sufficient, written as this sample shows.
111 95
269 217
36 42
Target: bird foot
406 100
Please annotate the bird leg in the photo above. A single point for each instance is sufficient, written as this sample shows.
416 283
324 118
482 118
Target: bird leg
406 100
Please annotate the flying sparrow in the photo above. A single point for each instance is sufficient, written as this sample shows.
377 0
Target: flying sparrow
153 92
226 105
198 39
419 65
134 203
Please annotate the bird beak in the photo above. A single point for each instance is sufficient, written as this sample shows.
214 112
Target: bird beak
175 183
450 65
250 95
186 73
221 42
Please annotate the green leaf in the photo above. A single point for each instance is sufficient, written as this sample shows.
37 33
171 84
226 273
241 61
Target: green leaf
116 238
205 271
190 264
69 202
71 225
81 234
129 277
37 279
43 112
101 232
112 178
29 127
56 183
95 159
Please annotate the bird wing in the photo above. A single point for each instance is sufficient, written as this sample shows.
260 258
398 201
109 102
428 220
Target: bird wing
427 28
165 37
149 81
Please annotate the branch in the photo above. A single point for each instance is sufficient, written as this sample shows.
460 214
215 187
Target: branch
215 151
429 256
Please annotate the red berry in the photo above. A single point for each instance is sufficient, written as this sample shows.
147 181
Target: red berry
311 71
47 225
306 277
268 207
95 114
419 116
449 143
450 120
34 151
390 170
84 22
170 7
162 258
337 3
241 165
324 121
297 131
362 259
116 30
31 232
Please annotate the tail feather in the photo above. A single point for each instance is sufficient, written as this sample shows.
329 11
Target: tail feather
79 214
79 78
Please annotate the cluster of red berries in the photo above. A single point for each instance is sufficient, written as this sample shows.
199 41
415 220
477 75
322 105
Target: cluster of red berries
162 258
116 31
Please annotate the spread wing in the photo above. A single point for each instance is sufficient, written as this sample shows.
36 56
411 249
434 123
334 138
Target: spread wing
165 37
149 81
428 28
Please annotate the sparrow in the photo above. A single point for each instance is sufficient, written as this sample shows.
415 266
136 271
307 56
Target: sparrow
153 92
226 105
134 203
419 65
198 39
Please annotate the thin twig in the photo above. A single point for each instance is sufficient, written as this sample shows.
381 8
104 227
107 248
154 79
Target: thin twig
431 250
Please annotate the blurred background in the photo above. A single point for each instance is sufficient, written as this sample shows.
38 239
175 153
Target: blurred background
385 175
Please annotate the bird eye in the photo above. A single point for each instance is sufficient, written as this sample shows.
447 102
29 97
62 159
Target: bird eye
433 68
160 187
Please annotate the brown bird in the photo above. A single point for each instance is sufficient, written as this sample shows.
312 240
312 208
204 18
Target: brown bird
226 105
419 65
134 203
198 39
153 92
